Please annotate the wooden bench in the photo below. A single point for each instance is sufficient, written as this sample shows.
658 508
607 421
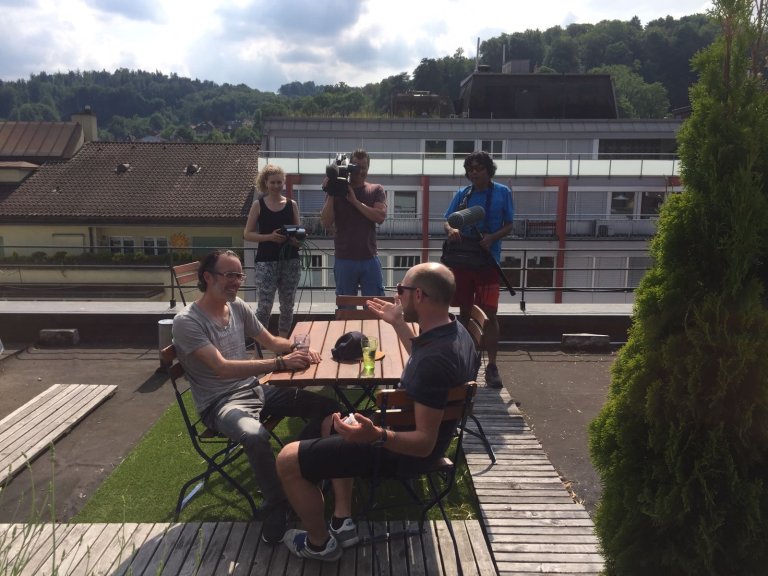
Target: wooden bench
29 430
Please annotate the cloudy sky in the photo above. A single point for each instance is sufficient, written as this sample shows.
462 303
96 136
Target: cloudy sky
267 43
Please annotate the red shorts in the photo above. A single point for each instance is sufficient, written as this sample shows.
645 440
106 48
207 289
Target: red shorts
479 287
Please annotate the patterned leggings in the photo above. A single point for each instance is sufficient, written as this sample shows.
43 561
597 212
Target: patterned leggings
282 277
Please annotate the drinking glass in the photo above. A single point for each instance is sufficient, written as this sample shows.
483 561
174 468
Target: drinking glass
301 342
370 345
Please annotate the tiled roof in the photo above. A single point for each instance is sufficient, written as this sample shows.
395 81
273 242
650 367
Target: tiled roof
139 182
39 141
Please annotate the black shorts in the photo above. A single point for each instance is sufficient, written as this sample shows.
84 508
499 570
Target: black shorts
334 457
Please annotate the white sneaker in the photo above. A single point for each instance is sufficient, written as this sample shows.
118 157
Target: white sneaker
346 535
296 542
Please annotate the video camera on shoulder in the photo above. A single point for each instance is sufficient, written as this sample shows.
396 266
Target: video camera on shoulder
293 231
338 175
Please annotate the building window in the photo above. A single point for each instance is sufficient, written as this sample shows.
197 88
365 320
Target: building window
404 203
311 270
650 204
651 148
623 204
462 148
122 245
493 147
540 273
510 266
155 246
406 261
638 266
435 148
401 263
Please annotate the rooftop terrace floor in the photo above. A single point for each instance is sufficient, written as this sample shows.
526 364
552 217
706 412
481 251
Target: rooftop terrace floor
558 393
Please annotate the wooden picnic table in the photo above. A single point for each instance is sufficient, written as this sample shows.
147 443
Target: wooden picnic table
328 372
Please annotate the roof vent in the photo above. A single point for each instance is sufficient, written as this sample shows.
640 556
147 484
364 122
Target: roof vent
122 168
193 169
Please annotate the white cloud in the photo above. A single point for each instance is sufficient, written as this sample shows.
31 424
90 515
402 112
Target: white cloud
266 44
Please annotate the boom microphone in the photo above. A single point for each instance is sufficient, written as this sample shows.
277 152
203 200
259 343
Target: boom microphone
467 217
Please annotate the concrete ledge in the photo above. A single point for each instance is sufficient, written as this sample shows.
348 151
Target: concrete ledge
136 323
586 342
58 337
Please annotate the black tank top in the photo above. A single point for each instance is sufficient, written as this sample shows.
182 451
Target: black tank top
269 222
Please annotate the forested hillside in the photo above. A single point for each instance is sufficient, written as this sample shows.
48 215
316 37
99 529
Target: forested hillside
650 66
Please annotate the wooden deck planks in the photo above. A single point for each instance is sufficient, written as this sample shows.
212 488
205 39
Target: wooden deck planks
532 523
527 517
29 430
233 548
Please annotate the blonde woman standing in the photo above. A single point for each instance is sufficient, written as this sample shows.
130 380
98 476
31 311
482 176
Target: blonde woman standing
277 257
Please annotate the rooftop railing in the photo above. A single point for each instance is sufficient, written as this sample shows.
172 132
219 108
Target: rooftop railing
546 274
508 165
531 226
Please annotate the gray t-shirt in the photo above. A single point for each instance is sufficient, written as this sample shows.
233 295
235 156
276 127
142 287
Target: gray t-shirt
192 330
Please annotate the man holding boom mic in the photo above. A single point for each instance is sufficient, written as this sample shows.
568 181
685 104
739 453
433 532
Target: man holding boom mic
478 217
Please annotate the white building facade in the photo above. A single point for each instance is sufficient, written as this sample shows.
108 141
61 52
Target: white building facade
586 192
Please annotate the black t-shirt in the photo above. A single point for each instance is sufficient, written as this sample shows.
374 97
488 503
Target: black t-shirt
441 358
270 221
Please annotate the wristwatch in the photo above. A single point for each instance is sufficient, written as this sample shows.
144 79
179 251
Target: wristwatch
381 440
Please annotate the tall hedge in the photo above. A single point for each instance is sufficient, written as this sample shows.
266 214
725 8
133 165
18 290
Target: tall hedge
682 442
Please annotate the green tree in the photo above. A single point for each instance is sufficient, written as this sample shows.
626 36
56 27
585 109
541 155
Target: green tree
443 76
217 136
609 42
295 89
635 97
185 134
528 45
35 112
7 100
682 442
666 51
245 135
389 88
563 55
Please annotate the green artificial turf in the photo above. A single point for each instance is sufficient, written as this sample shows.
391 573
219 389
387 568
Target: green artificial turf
145 487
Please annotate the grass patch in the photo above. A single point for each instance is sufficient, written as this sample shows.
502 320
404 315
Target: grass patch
145 486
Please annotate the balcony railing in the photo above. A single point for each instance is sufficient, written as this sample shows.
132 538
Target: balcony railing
508 165
537 227
544 275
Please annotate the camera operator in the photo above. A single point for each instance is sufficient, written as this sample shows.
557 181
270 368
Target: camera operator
277 257
355 217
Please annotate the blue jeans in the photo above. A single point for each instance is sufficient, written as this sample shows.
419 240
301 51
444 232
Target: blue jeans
363 274
238 417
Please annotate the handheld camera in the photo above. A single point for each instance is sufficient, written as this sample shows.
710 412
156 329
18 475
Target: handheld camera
298 232
338 175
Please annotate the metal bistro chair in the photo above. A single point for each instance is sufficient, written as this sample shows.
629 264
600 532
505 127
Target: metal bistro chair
476 329
218 451
394 408
183 276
